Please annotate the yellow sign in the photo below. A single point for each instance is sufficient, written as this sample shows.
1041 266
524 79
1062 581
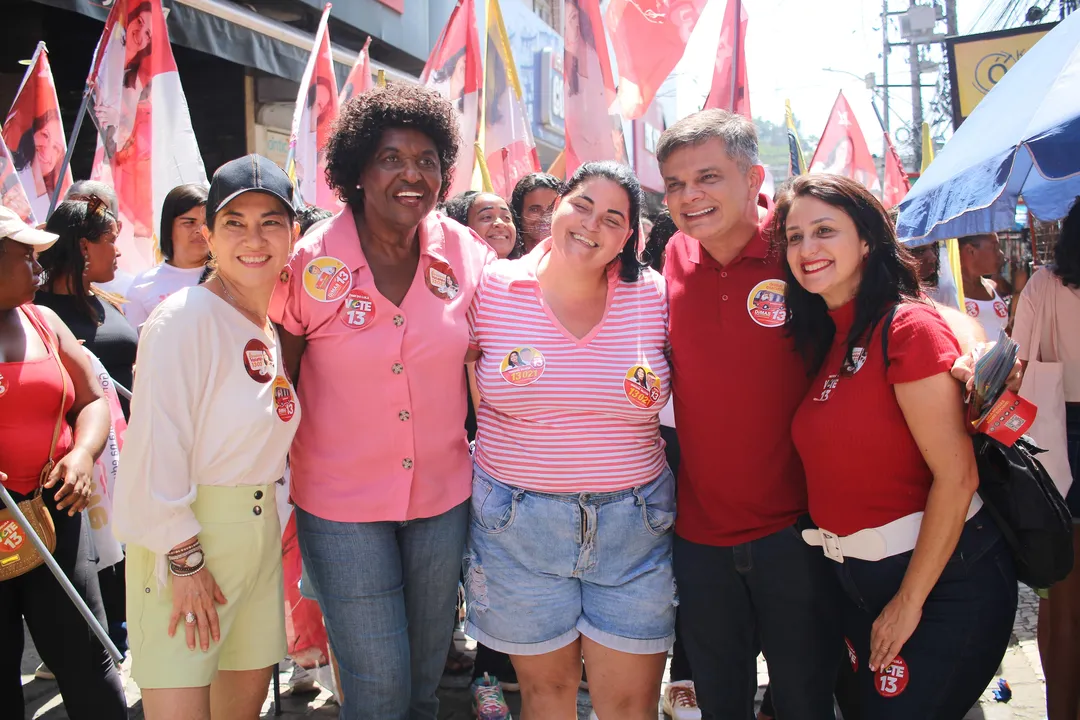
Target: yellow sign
980 61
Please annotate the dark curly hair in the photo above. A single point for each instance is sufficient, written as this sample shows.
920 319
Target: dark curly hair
73 220
362 121
629 264
655 245
532 181
1067 249
890 273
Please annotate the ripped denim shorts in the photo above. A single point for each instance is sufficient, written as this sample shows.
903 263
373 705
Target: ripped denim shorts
543 568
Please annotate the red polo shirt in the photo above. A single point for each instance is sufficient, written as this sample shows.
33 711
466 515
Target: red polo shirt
737 380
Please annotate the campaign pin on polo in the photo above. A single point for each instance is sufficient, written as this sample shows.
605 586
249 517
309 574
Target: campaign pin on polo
258 362
358 311
522 366
284 400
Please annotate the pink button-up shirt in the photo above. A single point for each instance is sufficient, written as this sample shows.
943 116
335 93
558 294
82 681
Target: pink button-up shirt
383 387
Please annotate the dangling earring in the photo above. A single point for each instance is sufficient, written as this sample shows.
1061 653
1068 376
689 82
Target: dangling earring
86 265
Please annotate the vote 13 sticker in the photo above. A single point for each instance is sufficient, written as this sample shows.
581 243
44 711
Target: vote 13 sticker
284 399
11 536
641 386
327 279
522 366
358 311
893 680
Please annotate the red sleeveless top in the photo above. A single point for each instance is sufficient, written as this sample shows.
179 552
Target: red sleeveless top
30 393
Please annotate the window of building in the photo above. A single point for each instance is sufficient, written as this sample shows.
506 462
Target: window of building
548 11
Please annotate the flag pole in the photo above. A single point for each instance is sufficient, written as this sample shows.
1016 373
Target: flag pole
735 54
70 148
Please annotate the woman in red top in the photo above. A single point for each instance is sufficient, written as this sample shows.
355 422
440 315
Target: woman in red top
32 386
890 470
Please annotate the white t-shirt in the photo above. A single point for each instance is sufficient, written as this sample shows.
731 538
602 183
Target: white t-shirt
992 314
152 286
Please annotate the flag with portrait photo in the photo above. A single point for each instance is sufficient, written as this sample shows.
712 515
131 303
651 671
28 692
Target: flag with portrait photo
897 183
12 194
796 160
454 69
145 145
359 80
509 148
649 38
731 49
315 111
34 133
593 126
842 149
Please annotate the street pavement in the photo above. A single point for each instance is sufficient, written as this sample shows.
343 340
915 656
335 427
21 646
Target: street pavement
1021 668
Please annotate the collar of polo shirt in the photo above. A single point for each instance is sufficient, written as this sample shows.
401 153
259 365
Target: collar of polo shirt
341 239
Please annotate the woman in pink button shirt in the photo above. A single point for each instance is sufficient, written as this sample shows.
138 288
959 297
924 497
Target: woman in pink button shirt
372 307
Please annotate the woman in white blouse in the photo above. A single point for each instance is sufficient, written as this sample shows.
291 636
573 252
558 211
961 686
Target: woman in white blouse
212 419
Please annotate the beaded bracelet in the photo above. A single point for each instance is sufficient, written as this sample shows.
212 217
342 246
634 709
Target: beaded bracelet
182 571
184 551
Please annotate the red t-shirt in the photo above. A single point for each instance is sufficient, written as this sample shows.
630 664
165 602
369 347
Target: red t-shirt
863 467
737 381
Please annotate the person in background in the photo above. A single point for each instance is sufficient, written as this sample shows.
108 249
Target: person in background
212 419
531 202
43 369
1059 285
372 311
86 189
981 257
310 217
488 216
928 578
183 214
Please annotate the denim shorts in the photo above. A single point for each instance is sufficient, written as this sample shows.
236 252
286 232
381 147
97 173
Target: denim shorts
543 568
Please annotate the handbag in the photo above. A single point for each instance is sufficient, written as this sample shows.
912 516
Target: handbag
18 555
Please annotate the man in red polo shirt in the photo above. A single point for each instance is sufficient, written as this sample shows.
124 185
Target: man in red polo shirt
746 579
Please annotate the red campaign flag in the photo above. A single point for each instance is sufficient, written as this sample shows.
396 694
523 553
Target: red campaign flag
12 194
34 133
455 70
146 145
720 95
593 132
897 183
315 111
842 149
359 80
649 38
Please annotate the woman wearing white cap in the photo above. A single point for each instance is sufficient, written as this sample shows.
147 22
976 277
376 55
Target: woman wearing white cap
212 418
53 424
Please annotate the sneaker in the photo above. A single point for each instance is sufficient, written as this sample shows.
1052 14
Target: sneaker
584 684
302 681
680 701
488 702
43 673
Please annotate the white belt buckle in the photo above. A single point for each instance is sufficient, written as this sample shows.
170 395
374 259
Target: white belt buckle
830 543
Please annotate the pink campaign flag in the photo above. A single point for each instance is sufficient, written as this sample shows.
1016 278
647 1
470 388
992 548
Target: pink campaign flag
649 38
34 134
359 80
842 149
731 49
12 194
593 126
454 69
146 146
316 109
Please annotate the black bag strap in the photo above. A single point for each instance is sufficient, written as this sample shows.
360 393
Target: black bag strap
886 324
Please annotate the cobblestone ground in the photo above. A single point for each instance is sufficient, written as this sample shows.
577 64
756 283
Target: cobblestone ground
1021 667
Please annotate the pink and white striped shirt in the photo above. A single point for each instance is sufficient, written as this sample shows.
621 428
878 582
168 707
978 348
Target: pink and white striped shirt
563 415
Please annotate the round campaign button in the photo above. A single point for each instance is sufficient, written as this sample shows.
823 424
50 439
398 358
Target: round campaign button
441 280
258 362
522 366
284 400
327 279
11 536
851 656
972 308
641 386
893 680
1000 310
358 310
3 386
767 303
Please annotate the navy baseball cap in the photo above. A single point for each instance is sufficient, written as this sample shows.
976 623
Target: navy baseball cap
252 173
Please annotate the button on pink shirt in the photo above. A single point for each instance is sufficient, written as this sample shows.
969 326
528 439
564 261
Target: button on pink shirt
383 387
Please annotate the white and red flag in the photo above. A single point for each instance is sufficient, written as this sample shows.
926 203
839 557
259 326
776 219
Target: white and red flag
732 49
897 183
359 80
649 38
146 146
842 149
316 109
454 69
593 126
12 194
509 148
34 134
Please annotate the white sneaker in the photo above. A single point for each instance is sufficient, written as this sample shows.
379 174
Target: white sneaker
680 701
43 673
302 681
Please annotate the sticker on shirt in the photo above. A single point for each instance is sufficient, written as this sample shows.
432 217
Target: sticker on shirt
641 386
767 303
893 680
855 363
258 362
3 386
11 536
522 366
972 308
285 276
441 280
284 399
1000 310
327 279
851 656
830 384
358 311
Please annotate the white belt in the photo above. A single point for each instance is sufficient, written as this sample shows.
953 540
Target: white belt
878 543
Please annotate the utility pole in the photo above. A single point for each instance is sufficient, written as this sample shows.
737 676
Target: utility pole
951 24
885 62
916 98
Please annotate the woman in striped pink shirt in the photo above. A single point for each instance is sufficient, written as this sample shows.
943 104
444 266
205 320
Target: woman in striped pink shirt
569 550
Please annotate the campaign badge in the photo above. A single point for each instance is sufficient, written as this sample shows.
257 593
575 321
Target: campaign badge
284 399
1000 310
826 390
327 279
642 386
767 303
258 362
358 310
441 281
522 366
858 359
11 536
972 308
851 656
893 680
3 386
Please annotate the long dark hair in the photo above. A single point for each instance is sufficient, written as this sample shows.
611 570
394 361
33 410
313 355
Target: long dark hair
133 68
655 245
73 220
629 264
23 154
1067 248
890 273
180 200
